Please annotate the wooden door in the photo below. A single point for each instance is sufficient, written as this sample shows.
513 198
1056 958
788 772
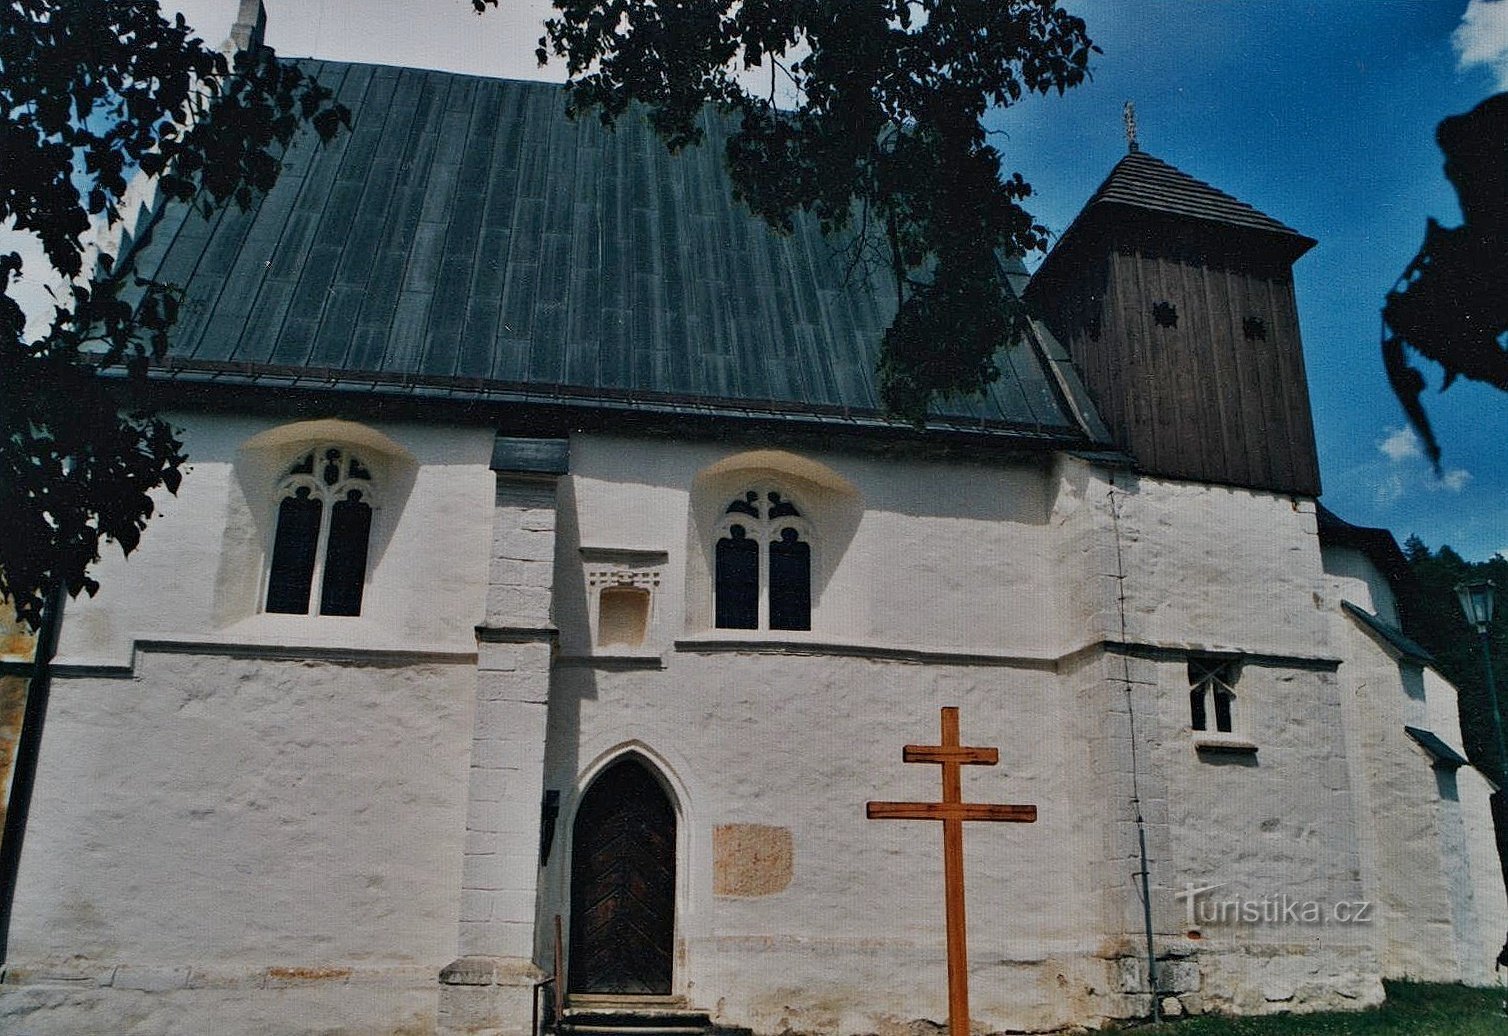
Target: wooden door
623 885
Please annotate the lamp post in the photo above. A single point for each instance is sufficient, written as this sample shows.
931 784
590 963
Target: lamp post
1477 598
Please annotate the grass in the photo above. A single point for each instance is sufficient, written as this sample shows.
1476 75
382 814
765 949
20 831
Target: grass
1412 1009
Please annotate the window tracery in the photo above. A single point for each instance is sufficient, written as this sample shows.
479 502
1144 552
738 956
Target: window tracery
763 564
324 526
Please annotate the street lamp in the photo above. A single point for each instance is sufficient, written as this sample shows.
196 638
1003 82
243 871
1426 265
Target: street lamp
1476 601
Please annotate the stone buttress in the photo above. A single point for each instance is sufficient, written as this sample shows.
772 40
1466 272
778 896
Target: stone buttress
488 989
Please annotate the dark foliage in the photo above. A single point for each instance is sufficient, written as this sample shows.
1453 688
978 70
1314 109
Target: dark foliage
1434 619
94 92
1451 304
882 141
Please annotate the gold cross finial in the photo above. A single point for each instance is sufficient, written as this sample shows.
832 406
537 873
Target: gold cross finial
1129 114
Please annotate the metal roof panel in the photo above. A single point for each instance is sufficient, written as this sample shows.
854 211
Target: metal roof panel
465 228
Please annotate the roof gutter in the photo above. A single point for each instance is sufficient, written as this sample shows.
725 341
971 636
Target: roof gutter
471 393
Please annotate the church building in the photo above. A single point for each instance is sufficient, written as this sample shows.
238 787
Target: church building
549 595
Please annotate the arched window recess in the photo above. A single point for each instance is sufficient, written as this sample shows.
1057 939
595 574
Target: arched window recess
324 526
763 563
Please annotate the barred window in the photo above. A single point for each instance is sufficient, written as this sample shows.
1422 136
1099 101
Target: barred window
1212 686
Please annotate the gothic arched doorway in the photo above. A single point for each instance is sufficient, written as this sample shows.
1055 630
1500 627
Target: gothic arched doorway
623 884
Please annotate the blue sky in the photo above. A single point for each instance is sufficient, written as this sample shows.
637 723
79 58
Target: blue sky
1321 113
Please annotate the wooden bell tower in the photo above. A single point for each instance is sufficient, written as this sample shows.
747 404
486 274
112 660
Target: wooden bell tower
1176 302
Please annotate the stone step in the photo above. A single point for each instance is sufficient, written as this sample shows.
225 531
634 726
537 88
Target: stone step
637 1029
657 1016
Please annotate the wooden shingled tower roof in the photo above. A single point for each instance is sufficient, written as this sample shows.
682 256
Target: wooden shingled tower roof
1141 185
466 241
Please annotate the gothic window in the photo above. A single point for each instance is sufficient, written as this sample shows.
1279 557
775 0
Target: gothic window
324 526
1212 692
763 564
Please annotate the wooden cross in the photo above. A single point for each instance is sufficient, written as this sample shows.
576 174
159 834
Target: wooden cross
952 811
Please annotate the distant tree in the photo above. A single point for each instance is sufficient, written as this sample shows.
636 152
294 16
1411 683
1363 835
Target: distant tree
1415 550
872 123
93 91
1451 302
1435 620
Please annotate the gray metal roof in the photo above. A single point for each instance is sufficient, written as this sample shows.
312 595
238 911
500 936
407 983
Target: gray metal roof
466 239
1443 755
1391 637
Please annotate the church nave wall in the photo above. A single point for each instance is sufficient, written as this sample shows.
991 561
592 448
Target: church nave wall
799 743
226 836
201 569
906 552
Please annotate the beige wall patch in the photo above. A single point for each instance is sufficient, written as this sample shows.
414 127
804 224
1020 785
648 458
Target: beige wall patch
751 859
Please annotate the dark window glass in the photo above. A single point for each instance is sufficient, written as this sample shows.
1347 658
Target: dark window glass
1222 711
790 582
293 549
346 556
782 508
1209 676
737 581
748 505
332 467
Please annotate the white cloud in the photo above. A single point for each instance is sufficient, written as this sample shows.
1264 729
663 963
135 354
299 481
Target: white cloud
1482 38
1401 444
1455 480
1390 490
1406 471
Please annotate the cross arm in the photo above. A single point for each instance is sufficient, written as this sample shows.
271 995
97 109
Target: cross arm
950 811
951 754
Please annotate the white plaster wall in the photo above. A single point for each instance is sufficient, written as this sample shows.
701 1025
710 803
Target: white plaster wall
1277 822
925 555
1016 560
1220 568
1354 578
199 570
233 814
856 940
317 810
1429 860
971 541
1416 926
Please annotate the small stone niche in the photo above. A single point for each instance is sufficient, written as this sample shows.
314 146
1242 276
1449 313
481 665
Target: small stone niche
621 587
622 616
